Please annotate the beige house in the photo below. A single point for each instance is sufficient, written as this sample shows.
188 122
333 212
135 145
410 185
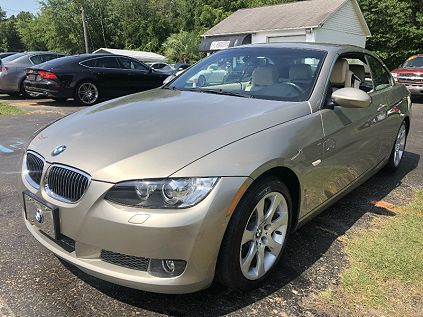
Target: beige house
319 21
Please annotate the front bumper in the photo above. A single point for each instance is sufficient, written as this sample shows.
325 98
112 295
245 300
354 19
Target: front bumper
193 235
415 89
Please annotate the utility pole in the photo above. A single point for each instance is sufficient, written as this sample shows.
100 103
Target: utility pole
84 25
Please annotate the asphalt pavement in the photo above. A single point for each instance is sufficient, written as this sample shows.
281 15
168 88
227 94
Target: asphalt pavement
33 282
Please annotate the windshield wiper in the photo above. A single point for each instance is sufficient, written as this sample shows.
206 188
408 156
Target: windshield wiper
221 92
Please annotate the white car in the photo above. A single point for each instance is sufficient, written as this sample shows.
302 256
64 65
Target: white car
211 75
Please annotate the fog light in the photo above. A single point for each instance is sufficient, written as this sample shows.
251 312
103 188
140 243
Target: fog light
166 268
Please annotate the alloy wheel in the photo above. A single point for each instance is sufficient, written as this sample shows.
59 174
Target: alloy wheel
400 145
88 93
264 236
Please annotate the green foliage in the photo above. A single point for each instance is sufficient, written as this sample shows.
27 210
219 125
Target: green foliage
397 28
182 47
396 25
8 110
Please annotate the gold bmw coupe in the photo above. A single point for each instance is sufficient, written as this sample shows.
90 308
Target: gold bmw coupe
206 177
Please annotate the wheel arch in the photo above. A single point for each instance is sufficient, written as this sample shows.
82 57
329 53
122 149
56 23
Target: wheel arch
291 180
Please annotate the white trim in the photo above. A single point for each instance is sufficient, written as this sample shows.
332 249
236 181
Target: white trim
260 31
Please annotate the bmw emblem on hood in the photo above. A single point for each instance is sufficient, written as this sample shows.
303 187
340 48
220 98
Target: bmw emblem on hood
58 150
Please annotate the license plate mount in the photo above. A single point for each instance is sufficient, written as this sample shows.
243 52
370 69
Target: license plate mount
42 215
32 77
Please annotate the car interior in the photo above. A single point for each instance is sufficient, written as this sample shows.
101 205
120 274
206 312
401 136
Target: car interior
282 77
266 77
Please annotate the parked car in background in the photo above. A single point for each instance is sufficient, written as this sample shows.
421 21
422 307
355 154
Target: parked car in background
167 189
13 70
179 68
162 67
411 74
158 65
6 54
89 78
212 75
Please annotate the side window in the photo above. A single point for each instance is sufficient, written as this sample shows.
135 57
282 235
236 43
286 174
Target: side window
380 76
107 62
359 67
131 64
49 57
37 59
90 63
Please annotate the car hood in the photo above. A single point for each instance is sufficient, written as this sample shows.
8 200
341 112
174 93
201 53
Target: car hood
417 70
155 133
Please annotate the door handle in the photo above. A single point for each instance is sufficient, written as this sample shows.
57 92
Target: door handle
382 108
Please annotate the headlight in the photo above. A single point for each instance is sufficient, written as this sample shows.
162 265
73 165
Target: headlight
395 75
162 193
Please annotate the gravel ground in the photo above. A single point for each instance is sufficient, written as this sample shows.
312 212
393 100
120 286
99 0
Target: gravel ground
35 283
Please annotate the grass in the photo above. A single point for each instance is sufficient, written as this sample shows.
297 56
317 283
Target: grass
8 110
385 273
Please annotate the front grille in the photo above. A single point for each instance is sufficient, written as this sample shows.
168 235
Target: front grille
66 184
128 261
34 166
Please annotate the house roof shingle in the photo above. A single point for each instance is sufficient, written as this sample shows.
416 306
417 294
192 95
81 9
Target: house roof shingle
294 15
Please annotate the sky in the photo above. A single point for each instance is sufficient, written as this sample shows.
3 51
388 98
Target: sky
15 6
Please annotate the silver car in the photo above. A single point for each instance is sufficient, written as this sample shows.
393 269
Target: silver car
13 70
164 190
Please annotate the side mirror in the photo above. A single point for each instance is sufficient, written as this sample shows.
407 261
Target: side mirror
351 98
168 79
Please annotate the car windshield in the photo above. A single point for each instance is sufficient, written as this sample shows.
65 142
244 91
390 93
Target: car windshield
12 57
414 62
286 74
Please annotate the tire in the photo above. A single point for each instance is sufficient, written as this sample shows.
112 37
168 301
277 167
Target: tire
243 242
86 93
398 149
201 81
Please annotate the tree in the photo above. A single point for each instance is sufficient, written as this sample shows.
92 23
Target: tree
396 27
183 47
2 14
10 39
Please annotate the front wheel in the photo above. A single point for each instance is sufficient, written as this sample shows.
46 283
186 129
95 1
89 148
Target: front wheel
201 82
397 152
256 235
86 93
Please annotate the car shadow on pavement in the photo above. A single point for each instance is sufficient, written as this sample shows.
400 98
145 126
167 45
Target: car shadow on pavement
297 272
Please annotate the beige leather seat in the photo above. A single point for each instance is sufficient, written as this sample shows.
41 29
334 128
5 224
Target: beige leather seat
264 76
359 71
341 76
300 74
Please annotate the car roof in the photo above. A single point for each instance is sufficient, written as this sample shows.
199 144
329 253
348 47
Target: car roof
302 45
41 52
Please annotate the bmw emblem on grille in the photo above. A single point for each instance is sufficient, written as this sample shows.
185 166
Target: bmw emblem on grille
58 150
39 216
